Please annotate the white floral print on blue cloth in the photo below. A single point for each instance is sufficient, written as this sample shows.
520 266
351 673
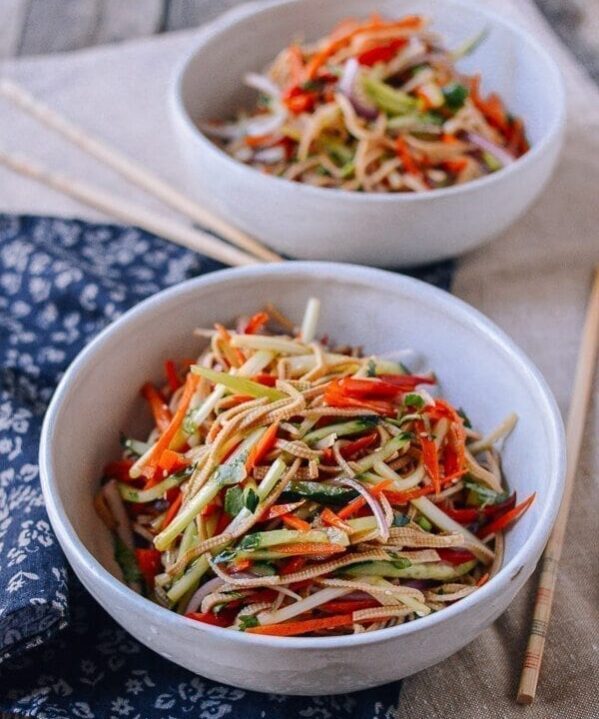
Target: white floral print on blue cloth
61 282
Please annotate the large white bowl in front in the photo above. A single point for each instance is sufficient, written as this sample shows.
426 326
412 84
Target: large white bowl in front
480 369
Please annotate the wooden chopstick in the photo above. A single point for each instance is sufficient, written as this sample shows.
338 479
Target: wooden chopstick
583 383
129 212
131 171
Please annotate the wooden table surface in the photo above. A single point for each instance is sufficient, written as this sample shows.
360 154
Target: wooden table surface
34 27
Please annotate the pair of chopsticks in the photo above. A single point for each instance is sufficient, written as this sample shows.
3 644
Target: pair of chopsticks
243 249
583 383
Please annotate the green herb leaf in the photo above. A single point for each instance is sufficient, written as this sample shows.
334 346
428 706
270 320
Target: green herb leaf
247 622
481 496
413 400
251 500
401 563
227 555
464 416
455 95
264 569
371 368
234 501
250 541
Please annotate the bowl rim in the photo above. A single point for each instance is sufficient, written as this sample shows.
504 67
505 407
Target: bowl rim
85 562
238 14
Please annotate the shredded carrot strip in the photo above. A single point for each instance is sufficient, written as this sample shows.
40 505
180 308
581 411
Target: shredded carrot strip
233 355
483 580
334 520
291 629
360 502
308 548
172 510
191 383
296 523
172 461
263 447
160 411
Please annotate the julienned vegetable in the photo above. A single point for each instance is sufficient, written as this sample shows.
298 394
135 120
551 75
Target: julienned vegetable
378 105
290 487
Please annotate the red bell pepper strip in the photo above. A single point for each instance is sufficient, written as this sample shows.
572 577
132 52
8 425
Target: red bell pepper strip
148 561
468 515
335 396
267 380
119 470
406 382
385 387
262 447
352 449
223 522
209 618
298 100
293 565
338 606
160 411
381 53
455 556
462 516
256 323
507 518
172 376
210 509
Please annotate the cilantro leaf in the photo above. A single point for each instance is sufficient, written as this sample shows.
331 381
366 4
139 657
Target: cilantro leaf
248 622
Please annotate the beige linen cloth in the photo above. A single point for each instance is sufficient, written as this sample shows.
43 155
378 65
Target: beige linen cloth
533 282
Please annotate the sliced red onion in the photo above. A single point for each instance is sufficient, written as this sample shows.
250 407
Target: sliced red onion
263 84
212 585
376 508
350 85
115 503
270 155
497 151
265 124
224 130
421 584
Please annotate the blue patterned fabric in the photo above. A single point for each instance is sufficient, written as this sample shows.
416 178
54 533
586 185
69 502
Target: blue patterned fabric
61 282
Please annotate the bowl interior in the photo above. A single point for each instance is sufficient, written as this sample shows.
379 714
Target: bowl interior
510 63
479 370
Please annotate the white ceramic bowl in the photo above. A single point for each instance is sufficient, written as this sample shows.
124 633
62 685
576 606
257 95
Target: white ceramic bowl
480 369
375 229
